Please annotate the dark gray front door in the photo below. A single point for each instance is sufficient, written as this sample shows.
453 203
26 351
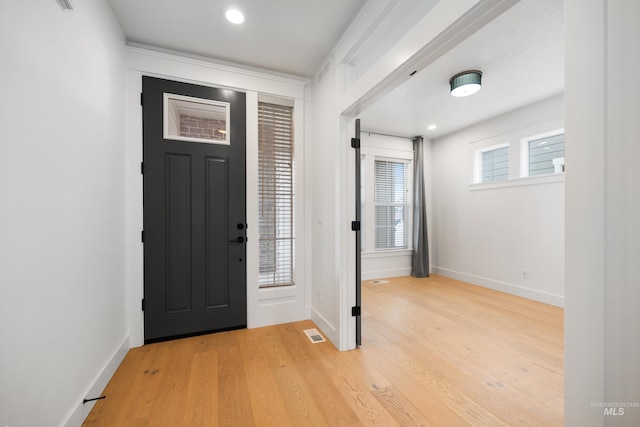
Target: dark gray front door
194 209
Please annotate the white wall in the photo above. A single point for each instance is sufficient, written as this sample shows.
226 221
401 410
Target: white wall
324 177
489 233
602 320
62 215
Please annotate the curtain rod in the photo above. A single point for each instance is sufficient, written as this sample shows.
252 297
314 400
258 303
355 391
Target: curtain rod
386 134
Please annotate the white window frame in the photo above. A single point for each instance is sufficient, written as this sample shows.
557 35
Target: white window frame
477 163
171 119
524 151
293 205
369 156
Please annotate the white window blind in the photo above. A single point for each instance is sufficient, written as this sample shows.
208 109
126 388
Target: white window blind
546 154
276 173
495 164
391 200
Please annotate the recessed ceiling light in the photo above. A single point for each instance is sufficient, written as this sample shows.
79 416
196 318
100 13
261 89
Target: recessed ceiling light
432 127
234 16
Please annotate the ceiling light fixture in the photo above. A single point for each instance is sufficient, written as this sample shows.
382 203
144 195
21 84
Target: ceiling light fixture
432 127
234 16
466 83
65 4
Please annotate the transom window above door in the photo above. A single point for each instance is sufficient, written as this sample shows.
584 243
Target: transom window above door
196 120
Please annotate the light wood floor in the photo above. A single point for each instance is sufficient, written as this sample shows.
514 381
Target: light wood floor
436 352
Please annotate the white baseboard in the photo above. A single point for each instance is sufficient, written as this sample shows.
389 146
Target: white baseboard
384 274
80 412
327 329
545 297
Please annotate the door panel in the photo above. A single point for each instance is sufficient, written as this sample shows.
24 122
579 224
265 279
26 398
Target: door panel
194 199
178 237
217 256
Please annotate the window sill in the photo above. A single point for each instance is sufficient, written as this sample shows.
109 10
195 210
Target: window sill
518 182
387 254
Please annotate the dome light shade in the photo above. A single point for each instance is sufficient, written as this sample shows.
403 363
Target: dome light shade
466 83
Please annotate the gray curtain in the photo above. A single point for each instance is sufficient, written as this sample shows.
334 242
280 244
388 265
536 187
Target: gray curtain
420 257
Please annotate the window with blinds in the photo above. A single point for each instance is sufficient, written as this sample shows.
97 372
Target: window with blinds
546 155
391 200
495 164
276 192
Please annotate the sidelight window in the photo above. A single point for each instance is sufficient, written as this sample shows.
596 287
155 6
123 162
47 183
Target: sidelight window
276 192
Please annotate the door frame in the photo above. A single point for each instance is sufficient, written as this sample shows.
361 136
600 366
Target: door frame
272 306
439 31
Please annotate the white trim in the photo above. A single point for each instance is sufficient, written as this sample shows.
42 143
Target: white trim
389 253
369 155
518 182
166 120
134 220
391 263
477 161
81 411
509 288
282 304
387 153
386 273
253 236
327 328
204 71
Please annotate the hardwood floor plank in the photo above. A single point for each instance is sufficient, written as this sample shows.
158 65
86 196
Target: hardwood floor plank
436 352
401 409
358 386
429 389
233 389
301 405
324 392
202 390
266 402
174 379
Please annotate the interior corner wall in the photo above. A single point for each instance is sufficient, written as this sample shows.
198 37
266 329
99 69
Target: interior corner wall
62 215
489 236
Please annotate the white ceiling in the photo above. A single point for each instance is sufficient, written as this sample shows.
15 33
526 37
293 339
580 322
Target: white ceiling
521 55
288 36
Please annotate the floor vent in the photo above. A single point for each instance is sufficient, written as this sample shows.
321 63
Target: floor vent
378 282
314 335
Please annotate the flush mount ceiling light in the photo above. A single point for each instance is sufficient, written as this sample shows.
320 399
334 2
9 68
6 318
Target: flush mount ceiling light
234 16
466 83
65 4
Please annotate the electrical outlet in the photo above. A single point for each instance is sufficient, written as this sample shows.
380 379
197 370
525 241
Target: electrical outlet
525 273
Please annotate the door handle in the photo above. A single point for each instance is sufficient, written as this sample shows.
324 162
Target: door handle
240 239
